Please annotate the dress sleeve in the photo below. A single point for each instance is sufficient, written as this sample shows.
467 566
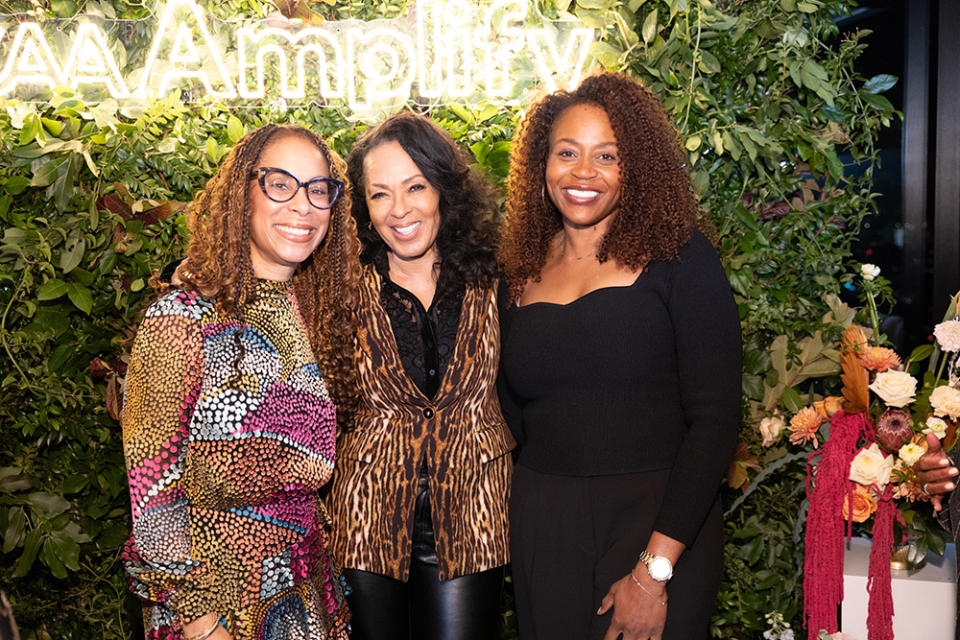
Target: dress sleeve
706 330
162 382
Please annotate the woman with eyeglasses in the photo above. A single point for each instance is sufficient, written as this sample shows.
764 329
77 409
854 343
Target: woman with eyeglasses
229 414
419 496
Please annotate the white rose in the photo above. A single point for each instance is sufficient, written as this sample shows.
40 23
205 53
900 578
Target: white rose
896 388
871 466
945 401
869 271
770 428
936 426
910 453
948 335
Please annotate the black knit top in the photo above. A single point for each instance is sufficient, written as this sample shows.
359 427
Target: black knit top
629 379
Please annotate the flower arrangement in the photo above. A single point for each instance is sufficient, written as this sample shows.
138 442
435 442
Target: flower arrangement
863 472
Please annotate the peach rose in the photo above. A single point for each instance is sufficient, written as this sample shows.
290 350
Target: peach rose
770 428
864 505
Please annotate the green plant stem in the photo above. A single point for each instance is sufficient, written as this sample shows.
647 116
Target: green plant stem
874 321
693 71
3 334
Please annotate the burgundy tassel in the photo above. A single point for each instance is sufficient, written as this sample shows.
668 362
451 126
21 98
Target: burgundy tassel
824 538
880 609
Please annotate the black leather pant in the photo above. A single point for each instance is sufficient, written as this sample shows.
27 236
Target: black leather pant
424 608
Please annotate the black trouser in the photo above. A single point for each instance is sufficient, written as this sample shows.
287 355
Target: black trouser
424 608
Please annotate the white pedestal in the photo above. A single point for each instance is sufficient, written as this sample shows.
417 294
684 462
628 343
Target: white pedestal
927 597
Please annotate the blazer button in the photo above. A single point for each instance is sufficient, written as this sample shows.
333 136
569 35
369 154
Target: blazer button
428 413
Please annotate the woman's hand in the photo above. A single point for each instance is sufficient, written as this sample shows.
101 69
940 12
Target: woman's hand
202 624
639 608
934 472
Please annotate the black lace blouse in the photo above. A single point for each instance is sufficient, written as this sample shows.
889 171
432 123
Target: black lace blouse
425 337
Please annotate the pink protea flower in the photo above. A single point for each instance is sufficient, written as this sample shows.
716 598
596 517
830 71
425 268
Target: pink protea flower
893 429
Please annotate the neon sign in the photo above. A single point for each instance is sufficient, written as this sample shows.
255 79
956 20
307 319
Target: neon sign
442 50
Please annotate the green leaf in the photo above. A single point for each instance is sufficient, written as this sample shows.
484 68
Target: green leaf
791 400
66 550
880 83
234 129
921 353
693 143
633 5
594 4
49 557
211 149
30 130
877 102
81 297
48 505
16 184
709 63
807 7
649 28
788 5
16 529
72 253
51 289
30 548
48 172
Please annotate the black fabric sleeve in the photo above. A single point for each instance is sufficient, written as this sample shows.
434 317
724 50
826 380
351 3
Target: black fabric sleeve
508 403
706 331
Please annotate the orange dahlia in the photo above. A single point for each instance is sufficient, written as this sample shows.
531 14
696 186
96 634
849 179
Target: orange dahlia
804 426
879 358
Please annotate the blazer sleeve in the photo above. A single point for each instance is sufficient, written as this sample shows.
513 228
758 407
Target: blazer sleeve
161 387
509 405
706 330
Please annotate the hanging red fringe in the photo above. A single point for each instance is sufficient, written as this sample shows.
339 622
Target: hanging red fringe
880 609
824 538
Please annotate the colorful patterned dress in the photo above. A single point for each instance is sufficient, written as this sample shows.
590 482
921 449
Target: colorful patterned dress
228 433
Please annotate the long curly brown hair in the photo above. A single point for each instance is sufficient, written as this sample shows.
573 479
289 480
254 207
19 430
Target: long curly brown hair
657 208
326 284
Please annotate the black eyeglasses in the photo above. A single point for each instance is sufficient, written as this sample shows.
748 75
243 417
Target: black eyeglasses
281 186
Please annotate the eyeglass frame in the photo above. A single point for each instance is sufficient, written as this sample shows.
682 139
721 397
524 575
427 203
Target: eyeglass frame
261 177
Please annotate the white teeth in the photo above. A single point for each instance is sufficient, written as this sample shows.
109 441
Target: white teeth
294 230
576 193
407 230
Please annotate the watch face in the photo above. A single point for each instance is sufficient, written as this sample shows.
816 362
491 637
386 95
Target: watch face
660 568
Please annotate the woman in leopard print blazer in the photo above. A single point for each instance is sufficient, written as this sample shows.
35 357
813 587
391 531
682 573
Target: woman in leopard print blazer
419 496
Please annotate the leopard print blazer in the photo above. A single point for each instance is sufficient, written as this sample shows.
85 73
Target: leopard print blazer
460 432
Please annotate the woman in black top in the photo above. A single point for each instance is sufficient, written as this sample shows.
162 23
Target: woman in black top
620 372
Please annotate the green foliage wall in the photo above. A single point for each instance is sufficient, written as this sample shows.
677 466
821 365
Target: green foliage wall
766 98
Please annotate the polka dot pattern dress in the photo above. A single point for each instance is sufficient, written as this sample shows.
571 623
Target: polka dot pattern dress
228 433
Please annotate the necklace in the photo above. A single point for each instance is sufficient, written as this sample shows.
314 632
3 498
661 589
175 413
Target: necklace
563 254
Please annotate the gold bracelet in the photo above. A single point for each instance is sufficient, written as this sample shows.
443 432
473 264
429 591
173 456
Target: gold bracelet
209 632
637 582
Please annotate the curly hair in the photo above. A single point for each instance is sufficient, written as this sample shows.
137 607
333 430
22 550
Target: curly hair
469 231
326 283
657 208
